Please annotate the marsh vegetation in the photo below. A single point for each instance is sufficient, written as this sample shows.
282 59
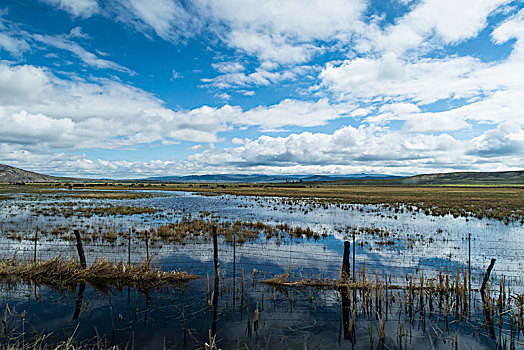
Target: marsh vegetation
280 250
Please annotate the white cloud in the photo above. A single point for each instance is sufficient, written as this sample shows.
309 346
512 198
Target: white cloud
293 112
13 45
77 32
436 122
36 128
228 67
108 114
234 77
77 8
175 75
166 18
61 42
224 96
399 108
247 92
506 140
512 28
105 114
281 30
369 149
442 21
426 80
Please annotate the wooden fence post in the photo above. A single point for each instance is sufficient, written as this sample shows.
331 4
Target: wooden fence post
344 274
36 240
80 249
215 250
354 280
147 245
486 278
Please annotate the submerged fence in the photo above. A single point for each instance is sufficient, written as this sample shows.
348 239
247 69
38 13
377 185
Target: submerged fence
322 258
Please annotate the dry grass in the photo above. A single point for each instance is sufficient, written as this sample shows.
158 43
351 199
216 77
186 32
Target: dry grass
501 203
505 203
101 274
108 195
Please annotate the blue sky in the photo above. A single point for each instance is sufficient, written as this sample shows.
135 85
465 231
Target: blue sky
131 88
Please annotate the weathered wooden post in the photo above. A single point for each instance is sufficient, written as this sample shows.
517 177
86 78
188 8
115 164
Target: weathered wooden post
129 248
469 261
344 274
147 245
215 250
486 278
36 240
354 280
485 300
234 269
80 249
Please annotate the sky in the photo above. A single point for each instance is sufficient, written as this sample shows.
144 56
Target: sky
132 88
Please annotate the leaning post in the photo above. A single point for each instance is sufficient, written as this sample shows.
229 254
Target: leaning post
80 249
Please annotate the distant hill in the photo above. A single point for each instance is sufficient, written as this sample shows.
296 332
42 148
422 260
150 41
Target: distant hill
442 179
468 177
258 178
9 174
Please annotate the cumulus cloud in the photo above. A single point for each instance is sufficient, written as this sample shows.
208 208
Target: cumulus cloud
369 149
36 128
109 114
506 140
426 80
382 73
103 113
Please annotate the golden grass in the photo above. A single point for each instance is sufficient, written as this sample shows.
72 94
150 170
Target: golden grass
101 274
504 203
501 203
108 195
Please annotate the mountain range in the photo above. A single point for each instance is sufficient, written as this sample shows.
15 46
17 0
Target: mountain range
260 178
9 174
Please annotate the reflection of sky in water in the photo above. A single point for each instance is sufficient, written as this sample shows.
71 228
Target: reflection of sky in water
419 240
286 321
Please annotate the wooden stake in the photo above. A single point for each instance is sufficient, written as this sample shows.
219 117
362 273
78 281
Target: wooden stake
486 278
147 245
80 249
129 248
344 274
215 250
36 240
354 280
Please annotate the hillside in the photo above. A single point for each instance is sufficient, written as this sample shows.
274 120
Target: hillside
9 174
259 178
500 178
469 178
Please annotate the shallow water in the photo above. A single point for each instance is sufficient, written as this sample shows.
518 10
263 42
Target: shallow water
181 316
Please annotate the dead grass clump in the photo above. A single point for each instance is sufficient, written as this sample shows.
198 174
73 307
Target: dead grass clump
278 279
102 274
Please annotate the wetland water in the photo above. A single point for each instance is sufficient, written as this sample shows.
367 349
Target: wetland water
392 241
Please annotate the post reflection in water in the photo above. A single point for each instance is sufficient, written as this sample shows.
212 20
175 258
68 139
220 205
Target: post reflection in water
215 307
79 299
